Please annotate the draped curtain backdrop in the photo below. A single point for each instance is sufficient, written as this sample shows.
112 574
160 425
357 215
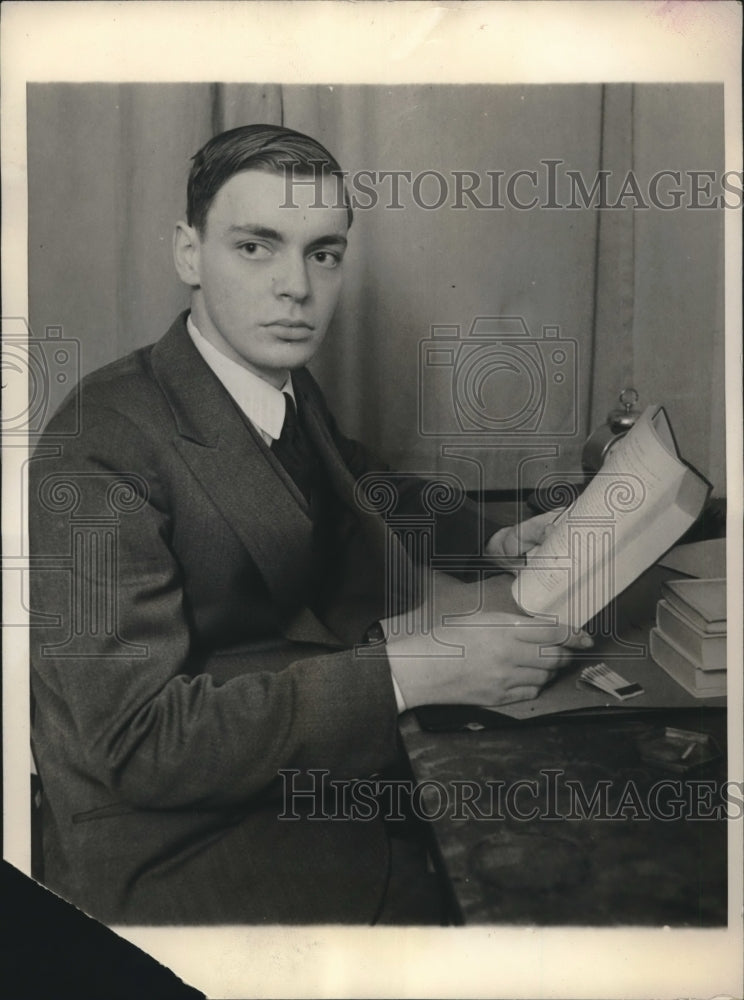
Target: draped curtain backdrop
636 295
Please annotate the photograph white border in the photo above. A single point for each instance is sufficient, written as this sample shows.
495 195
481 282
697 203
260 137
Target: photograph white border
337 42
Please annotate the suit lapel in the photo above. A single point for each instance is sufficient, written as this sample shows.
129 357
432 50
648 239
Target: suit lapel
234 467
342 480
366 589
259 500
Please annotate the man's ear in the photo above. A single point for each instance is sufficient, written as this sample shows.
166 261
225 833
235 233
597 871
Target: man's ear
186 254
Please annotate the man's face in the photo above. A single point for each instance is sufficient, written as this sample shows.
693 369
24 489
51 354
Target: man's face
267 277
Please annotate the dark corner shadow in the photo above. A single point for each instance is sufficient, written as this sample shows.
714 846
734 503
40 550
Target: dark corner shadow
48 948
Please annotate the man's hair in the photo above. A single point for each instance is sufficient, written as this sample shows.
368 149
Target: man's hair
271 148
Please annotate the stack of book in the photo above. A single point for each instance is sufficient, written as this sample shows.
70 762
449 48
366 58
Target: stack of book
689 640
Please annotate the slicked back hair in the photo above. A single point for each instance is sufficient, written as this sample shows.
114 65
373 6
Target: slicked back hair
271 148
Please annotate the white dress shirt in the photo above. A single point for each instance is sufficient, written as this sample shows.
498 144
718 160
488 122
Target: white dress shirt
261 402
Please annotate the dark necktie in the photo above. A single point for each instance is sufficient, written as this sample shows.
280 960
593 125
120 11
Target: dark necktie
294 451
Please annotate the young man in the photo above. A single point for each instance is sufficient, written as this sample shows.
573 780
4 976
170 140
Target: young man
224 576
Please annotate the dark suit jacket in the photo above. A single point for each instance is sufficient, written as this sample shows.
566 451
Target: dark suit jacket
202 642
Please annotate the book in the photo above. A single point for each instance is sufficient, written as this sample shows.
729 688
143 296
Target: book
700 683
635 508
707 650
699 559
566 695
702 602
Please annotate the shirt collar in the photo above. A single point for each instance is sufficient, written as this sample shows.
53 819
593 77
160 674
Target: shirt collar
260 401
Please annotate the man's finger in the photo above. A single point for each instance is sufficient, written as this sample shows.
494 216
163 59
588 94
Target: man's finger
530 676
548 658
527 693
536 527
554 635
578 640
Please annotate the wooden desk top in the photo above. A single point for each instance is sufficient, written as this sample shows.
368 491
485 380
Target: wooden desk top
566 866
651 852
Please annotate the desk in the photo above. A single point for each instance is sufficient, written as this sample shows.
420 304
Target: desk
621 863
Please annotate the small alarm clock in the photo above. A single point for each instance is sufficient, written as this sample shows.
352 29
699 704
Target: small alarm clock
619 422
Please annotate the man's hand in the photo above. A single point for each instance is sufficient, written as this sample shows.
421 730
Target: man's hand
508 546
504 657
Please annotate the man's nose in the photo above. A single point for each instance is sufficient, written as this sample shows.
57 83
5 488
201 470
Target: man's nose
291 278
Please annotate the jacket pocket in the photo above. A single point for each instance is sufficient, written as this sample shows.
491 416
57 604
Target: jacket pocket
103 812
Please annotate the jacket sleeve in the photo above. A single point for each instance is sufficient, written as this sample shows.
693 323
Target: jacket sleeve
116 677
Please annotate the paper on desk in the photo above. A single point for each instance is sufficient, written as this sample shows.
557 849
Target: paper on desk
629 659
566 695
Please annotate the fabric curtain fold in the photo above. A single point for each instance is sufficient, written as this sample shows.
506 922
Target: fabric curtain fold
442 238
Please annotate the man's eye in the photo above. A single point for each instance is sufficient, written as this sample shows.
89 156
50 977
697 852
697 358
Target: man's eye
326 258
254 250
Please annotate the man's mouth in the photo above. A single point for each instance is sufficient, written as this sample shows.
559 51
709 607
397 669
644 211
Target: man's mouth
291 324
